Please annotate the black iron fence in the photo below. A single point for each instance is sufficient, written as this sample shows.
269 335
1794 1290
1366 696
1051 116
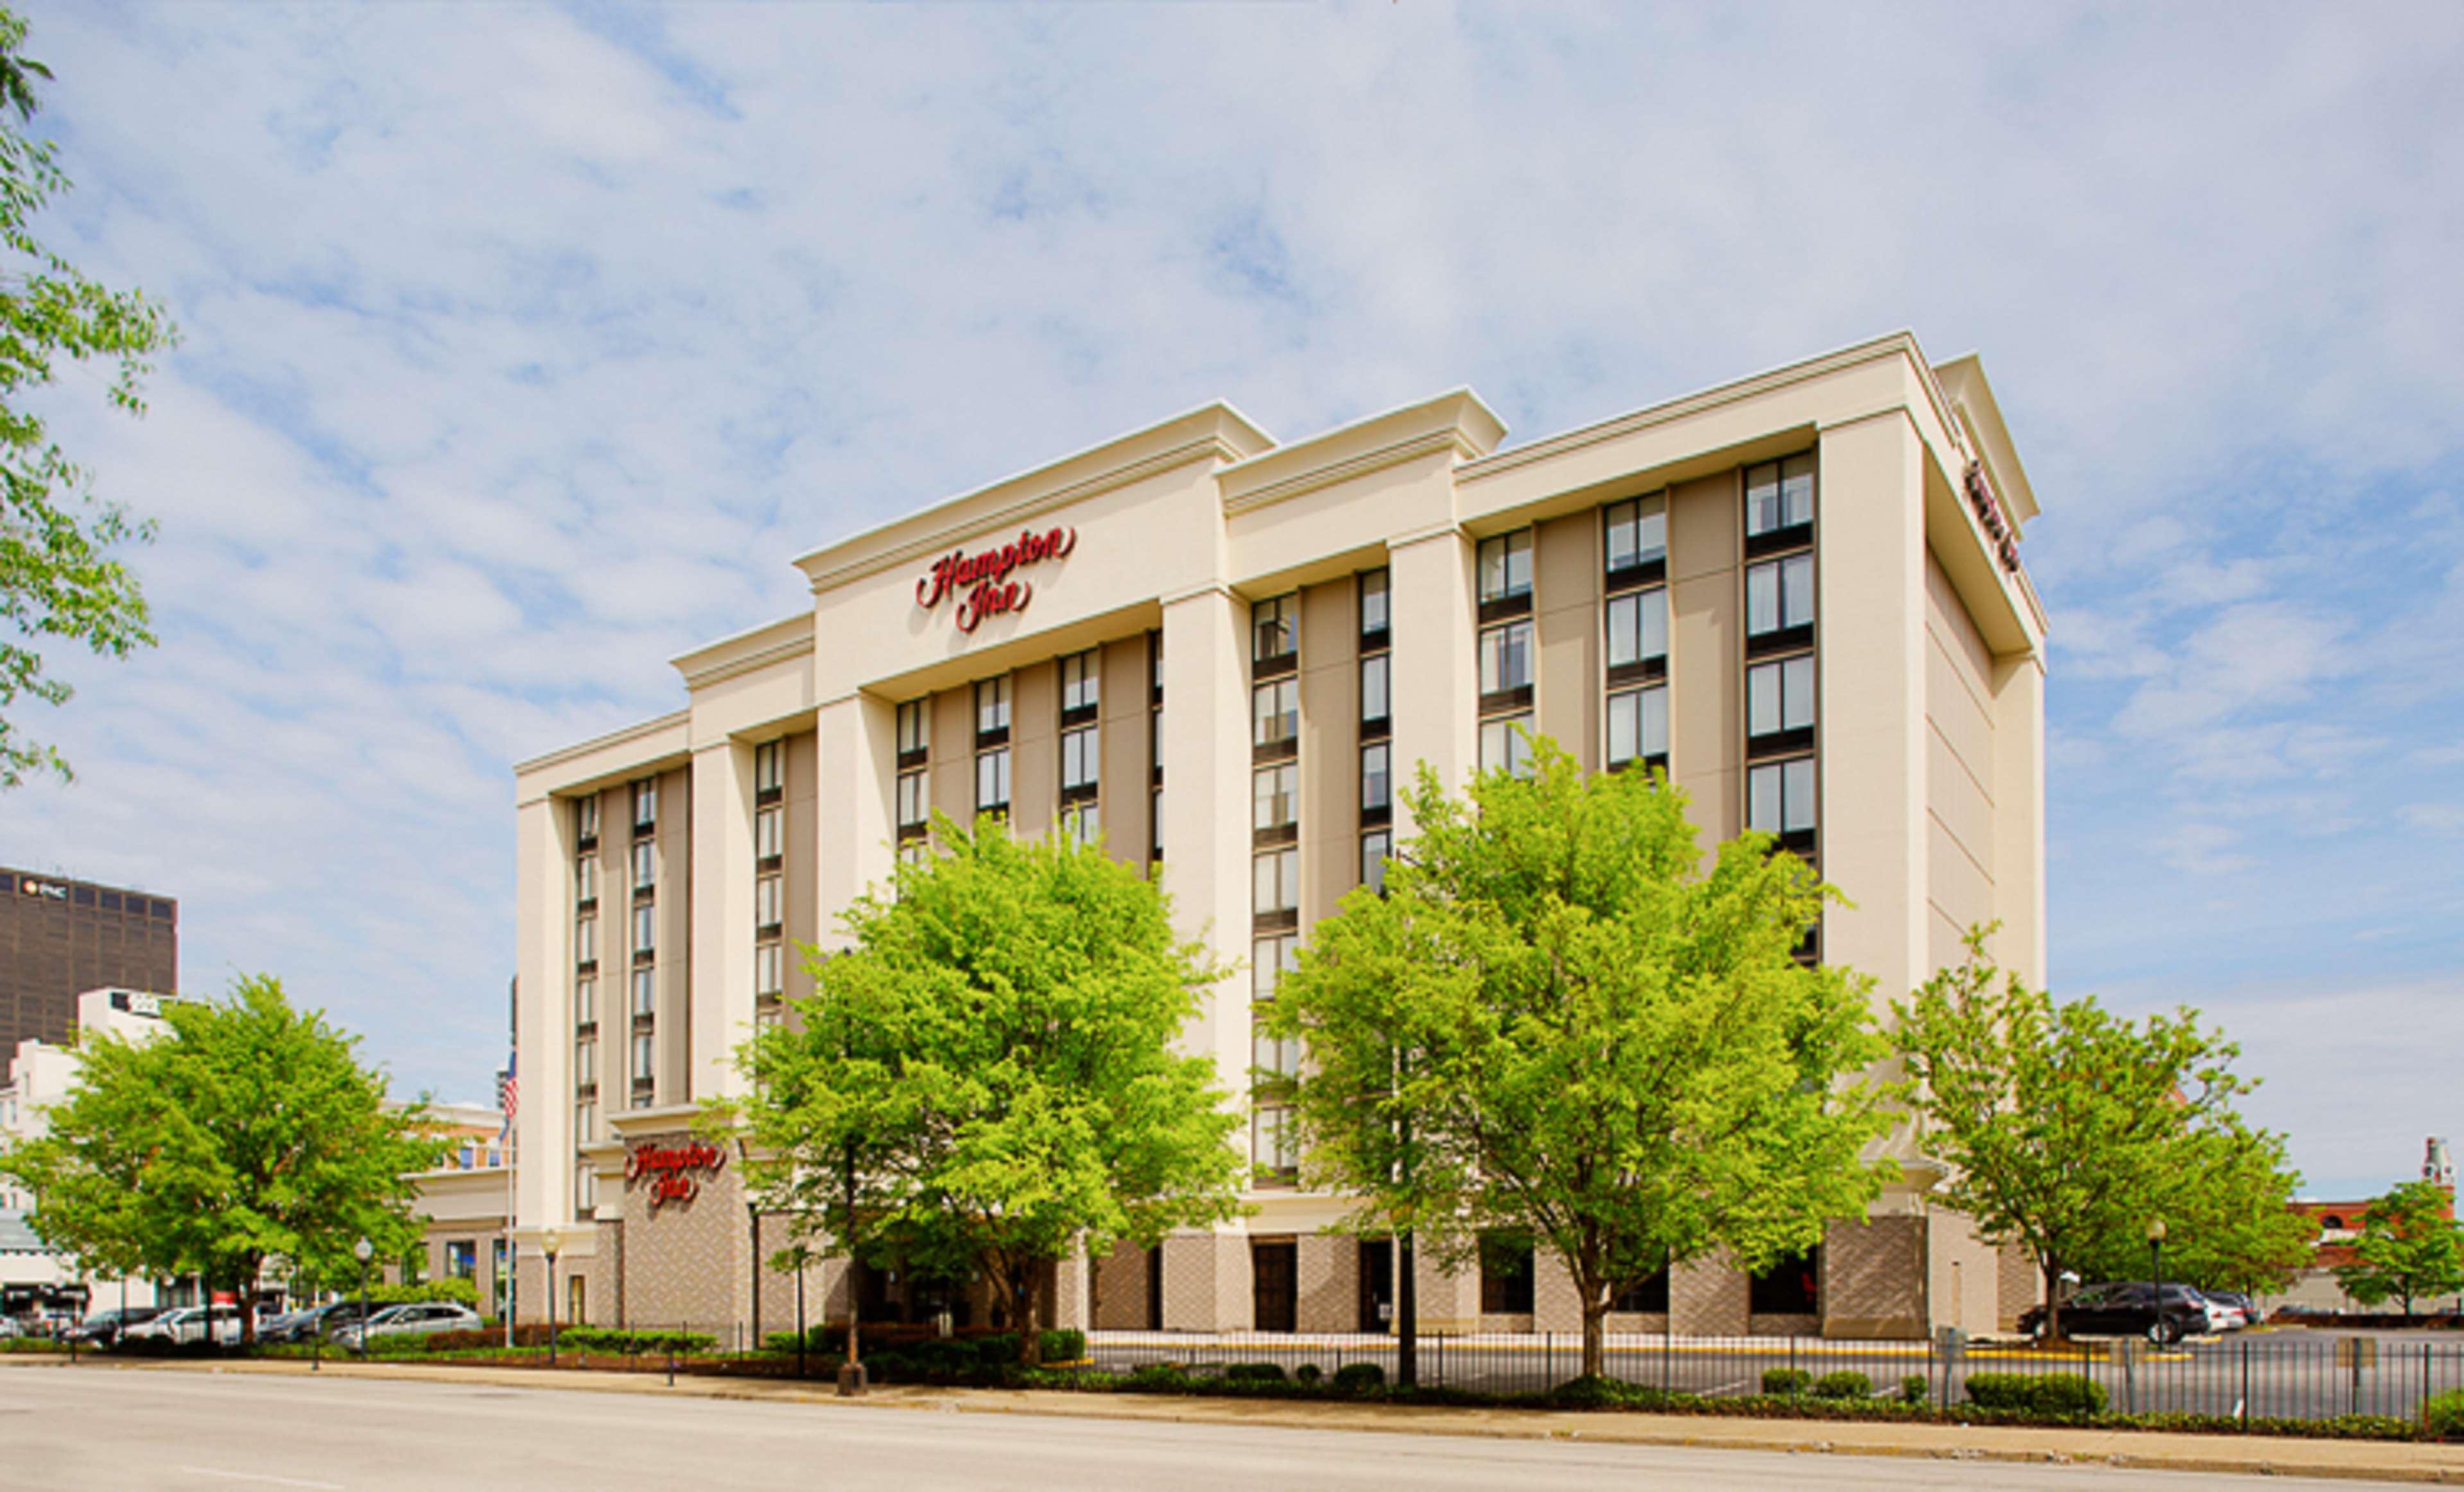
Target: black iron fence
2304 1375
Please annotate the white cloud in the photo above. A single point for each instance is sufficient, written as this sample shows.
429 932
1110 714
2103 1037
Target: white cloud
507 378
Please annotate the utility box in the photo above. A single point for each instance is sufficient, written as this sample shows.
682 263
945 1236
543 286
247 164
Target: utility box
1952 1342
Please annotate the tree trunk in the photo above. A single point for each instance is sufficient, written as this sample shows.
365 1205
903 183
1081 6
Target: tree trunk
2052 1301
855 1306
1030 1341
1407 1309
1595 1316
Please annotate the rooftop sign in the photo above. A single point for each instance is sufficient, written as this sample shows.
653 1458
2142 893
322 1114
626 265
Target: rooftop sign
981 581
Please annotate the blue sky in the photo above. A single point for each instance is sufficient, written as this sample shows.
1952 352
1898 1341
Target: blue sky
526 344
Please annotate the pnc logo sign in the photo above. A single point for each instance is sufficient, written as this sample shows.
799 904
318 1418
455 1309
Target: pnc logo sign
982 581
49 890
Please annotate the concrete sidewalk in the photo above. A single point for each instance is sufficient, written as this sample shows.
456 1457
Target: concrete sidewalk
2368 1461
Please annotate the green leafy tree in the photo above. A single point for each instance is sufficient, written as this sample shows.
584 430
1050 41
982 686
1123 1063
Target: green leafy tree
987 1078
58 575
249 1130
2410 1246
1557 1021
2070 1128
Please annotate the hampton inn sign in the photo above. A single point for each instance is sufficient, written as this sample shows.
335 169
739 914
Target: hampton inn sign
984 576
672 1173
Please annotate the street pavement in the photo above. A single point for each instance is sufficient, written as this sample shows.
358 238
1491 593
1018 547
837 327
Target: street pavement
107 1427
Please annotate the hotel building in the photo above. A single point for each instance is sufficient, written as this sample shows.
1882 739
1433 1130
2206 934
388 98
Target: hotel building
1800 593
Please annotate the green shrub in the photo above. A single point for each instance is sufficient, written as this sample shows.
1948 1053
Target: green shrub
1307 1373
1067 1345
1358 1377
2443 1417
2036 1393
999 1351
607 1339
1914 1389
1846 1384
1254 1372
1158 1375
1786 1382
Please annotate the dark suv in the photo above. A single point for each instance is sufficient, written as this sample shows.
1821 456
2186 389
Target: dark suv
2126 1310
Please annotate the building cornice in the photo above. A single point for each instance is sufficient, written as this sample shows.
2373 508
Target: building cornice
748 651
1456 425
1214 433
679 720
1901 344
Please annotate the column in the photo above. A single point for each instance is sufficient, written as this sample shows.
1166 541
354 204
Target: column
858 735
543 971
719 1014
1436 693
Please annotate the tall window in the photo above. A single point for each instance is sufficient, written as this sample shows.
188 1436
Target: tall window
1081 763
645 866
1276 882
585 1061
1273 1148
769 771
1506 744
769 971
1375 617
645 993
1275 794
585 1000
913 798
769 903
1505 566
1377 847
1779 595
585 942
1376 783
1080 683
992 711
585 821
1275 712
1779 697
1274 629
644 1074
1638 727
1270 958
646 930
1779 796
992 780
1779 495
1082 823
646 805
1633 535
1277 1062
915 808
585 878
586 1123
1506 658
1376 682
914 727
1637 625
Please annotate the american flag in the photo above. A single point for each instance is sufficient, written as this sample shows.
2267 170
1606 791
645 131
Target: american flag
509 1092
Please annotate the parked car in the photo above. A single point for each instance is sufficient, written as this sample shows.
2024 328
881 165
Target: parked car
332 1318
9 1326
2250 1313
2223 1315
103 1328
425 1318
2126 1309
186 1327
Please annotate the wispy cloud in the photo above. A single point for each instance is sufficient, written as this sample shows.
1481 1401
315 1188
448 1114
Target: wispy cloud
508 376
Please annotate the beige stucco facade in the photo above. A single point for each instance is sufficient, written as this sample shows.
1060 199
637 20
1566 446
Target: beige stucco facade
1896 728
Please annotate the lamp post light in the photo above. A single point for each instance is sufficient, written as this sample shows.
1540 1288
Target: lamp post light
364 1251
2156 1271
551 1243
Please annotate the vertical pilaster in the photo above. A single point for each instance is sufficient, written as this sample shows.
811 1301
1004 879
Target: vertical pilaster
858 735
543 992
1869 616
1435 691
1206 805
2019 815
719 1014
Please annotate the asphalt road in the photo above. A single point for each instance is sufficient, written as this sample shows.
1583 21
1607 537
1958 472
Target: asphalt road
74 1431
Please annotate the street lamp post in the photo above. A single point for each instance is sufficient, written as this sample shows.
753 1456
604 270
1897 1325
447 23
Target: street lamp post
364 1251
551 1243
2156 1270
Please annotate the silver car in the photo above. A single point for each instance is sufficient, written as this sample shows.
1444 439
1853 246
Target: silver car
186 1327
424 1319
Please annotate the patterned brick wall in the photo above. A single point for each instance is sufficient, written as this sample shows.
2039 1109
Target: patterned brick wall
1871 1273
1330 1282
2023 1284
1708 1298
1447 1302
1121 1289
686 1263
825 1281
